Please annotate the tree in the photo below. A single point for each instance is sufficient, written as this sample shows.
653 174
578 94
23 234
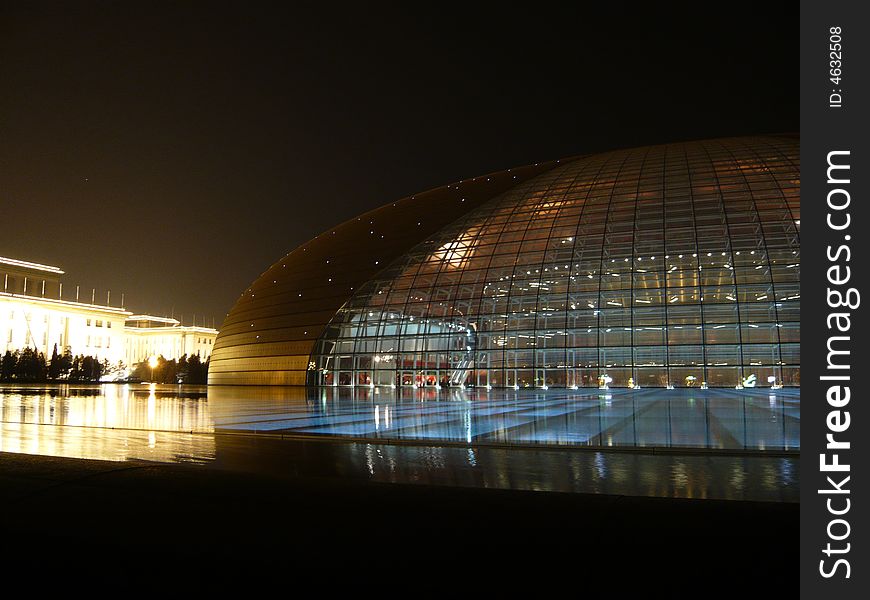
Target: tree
66 363
31 366
142 371
183 369
92 369
7 365
168 370
85 368
76 368
196 370
54 365
117 371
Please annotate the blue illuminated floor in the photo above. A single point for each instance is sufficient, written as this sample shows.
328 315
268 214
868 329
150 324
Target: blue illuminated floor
721 419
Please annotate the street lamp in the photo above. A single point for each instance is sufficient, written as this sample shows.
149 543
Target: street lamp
152 362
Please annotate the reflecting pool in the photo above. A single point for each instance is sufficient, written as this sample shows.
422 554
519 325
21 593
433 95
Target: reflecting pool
729 444
713 419
107 422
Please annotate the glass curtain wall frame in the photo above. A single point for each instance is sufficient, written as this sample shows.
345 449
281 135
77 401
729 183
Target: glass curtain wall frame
675 265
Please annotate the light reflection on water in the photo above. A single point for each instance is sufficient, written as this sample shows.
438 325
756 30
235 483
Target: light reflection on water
167 408
184 424
764 478
107 422
719 419
709 419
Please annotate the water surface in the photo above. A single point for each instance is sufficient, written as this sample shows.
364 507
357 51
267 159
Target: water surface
676 443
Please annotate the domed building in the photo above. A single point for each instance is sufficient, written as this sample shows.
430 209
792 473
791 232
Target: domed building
672 265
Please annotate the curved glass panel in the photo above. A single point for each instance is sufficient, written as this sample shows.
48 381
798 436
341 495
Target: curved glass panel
674 265
268 336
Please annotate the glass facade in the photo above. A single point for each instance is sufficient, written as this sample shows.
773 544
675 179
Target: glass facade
268 336
674 265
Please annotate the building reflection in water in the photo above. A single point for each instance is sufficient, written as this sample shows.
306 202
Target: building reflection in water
718 419
447 437
107 422
741 476
617 473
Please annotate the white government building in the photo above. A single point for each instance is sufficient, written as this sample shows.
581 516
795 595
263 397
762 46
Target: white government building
35 313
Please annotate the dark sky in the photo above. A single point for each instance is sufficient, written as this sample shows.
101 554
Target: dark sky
174 150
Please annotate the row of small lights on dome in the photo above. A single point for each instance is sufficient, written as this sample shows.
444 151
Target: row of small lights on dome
462 327
502 346
639 361
673 299
760 297
590 275
575 331
461 251
544 286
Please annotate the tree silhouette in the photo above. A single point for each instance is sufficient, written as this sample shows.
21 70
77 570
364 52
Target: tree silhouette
8 365
54 365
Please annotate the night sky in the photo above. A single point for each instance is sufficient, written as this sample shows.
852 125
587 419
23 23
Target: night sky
172 151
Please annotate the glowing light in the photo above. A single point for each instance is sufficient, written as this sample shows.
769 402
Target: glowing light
455 254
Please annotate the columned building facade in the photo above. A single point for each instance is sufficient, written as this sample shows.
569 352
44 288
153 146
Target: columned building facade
35 312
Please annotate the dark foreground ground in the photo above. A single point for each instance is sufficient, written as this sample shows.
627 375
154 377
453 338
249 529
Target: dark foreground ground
74 522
